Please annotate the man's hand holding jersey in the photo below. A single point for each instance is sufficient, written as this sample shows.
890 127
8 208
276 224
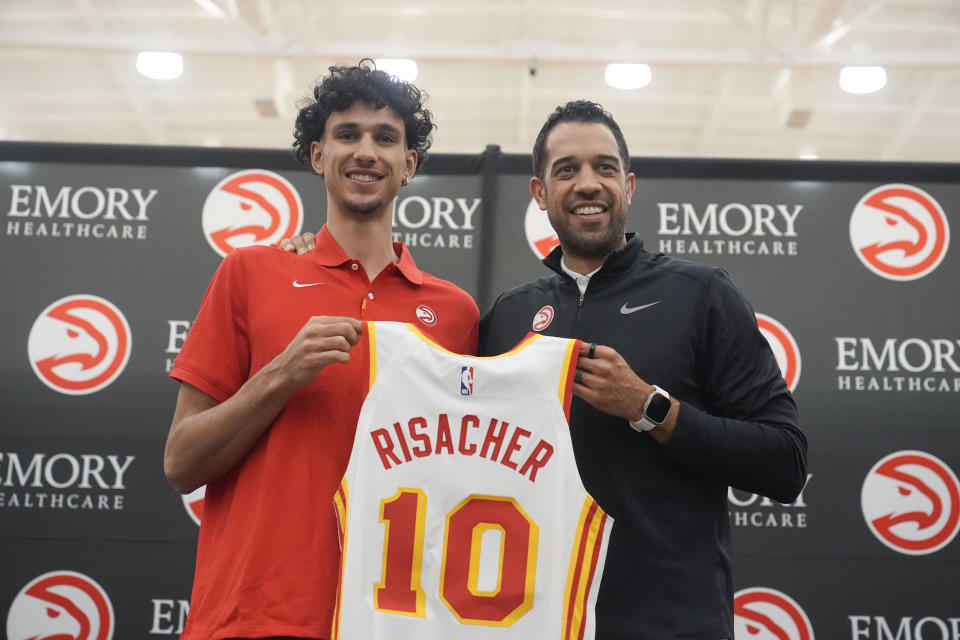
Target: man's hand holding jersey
606 381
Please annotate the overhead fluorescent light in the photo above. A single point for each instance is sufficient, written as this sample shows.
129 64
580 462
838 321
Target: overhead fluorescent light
403 68
628 76
160 65
862 79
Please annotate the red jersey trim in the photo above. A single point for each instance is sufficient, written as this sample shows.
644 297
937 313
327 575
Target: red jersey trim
569 373
583 565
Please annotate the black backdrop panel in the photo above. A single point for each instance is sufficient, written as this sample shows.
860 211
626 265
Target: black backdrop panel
108 249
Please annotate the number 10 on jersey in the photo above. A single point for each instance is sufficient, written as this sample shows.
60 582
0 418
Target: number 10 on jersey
401 589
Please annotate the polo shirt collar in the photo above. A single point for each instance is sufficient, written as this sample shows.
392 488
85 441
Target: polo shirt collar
330 254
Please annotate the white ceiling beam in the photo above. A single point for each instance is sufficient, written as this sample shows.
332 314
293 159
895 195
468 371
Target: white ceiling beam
718 103
913 116
754 26
527 75
212 8
825 16
92 17
545 52
842 28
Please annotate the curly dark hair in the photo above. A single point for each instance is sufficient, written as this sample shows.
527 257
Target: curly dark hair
577 111
346 85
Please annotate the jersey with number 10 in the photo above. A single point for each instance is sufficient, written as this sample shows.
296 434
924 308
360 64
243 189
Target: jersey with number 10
462 513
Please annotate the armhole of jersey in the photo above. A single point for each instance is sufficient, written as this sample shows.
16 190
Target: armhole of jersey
565 392
341 503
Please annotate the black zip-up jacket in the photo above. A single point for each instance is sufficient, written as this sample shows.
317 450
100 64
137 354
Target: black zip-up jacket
685 327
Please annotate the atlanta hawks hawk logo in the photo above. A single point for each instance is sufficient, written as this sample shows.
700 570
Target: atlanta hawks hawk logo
784 347
193 503
540 235
61 605
543 318
766 614
251 207
79 344
899 232
911 502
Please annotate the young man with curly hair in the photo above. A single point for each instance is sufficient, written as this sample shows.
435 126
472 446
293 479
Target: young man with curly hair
272 371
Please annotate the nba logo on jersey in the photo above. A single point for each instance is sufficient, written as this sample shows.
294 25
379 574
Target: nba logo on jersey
466 381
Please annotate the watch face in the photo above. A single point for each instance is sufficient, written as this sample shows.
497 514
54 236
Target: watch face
658 408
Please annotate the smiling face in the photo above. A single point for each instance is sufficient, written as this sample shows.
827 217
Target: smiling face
585 192
363 157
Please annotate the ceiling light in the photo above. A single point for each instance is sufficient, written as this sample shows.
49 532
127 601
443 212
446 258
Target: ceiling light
628 76
403 68
160 65
808 156
862 79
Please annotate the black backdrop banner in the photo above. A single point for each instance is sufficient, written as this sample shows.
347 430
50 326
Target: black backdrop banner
107 250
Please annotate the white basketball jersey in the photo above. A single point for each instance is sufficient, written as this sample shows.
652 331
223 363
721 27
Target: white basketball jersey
462 513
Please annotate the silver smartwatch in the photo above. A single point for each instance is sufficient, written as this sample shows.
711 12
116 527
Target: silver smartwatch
655 410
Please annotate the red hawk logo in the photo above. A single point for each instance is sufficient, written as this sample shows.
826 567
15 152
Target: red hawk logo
251 207
784 348
61 605
540 235
766 614
79 344
543 318
899 232
911 502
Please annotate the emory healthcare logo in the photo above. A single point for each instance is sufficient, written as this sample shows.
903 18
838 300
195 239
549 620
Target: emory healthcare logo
251 207
784 348
766 614
540 235
61 604
899 232
79 344
911 502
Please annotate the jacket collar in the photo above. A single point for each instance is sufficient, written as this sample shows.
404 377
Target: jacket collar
617 262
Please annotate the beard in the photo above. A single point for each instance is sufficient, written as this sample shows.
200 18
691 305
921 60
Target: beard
593 244
362 206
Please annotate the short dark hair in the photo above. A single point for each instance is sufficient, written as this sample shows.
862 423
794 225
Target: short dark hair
577 111
346 85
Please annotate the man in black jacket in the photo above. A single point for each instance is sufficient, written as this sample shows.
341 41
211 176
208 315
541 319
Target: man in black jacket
679 393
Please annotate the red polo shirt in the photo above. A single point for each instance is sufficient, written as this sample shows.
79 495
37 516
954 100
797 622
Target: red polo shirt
268 552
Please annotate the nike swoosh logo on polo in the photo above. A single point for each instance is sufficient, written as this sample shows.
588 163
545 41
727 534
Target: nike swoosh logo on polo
627 310
305 284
